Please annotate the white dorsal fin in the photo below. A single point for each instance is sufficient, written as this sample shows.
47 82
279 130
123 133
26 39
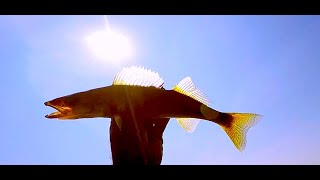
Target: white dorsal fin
186 87
138 76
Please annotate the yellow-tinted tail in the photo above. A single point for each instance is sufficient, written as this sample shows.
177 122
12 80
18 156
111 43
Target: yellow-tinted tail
237 126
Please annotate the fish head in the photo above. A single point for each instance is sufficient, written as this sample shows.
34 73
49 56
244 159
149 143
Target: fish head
74 106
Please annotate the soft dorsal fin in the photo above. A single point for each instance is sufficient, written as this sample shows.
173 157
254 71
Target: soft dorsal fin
138 76
186 87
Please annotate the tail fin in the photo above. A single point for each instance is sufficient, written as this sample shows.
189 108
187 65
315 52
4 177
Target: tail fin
237 126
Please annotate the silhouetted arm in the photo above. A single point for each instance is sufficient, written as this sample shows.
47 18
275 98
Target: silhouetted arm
126 148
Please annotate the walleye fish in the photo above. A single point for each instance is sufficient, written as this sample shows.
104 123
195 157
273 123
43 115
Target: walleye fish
136 94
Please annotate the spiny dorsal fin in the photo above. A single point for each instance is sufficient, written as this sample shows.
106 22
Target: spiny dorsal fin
138 76
186 87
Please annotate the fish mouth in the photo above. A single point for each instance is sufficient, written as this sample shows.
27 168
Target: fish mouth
61 113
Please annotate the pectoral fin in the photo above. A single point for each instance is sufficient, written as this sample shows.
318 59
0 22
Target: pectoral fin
118 121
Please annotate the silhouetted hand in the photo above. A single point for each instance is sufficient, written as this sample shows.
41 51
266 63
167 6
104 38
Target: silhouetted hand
142 146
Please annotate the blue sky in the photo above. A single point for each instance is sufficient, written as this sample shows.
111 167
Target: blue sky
260 64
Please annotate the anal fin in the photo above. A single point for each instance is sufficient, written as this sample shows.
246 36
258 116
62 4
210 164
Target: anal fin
188 124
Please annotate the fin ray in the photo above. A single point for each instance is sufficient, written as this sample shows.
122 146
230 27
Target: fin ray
186 87
188 124
138 76
238 127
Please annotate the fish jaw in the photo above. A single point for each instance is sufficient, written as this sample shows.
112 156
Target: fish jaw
62 112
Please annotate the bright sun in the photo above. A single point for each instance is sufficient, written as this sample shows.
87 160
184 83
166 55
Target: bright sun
109 46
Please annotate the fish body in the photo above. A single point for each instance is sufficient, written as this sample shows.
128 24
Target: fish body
130 104
144 102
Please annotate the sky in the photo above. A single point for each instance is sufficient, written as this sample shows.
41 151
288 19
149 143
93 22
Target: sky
257 64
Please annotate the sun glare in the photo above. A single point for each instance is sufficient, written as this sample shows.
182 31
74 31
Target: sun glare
109 46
